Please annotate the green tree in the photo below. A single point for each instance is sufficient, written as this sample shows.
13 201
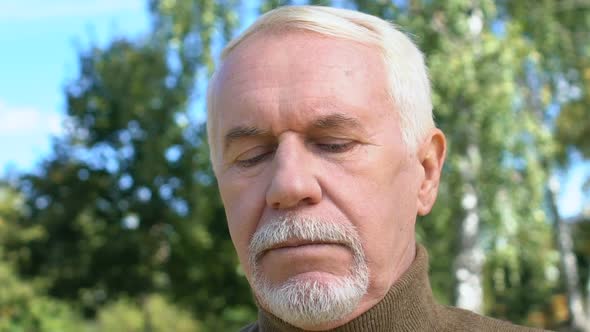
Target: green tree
23 304
24 307
127 205
99 198
560 31
153 313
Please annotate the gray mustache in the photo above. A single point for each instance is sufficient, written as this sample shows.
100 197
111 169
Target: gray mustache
299 228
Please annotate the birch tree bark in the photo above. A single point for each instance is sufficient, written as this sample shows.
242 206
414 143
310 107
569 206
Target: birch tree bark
578 319
469 262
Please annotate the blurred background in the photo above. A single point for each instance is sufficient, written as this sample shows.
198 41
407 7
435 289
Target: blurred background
109 214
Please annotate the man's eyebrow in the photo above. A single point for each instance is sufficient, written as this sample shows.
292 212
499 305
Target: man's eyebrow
242 132
331 121
336 121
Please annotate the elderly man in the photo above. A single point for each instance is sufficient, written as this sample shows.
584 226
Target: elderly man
325 151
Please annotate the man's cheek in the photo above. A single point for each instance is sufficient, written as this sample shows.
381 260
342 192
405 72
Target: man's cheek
240 238
242 219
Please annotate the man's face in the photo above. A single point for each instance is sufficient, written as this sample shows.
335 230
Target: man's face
304 129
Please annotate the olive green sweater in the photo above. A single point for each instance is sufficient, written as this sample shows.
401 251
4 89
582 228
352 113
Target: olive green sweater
408 306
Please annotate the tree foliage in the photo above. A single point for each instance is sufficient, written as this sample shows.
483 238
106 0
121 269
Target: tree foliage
124 220
127 205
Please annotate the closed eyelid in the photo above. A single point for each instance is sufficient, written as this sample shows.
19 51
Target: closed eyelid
331 140
337 147
254 151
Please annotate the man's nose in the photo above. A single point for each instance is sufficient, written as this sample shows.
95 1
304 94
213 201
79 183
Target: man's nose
293 180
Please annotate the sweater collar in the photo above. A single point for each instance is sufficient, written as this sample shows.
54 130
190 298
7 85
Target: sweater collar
408 306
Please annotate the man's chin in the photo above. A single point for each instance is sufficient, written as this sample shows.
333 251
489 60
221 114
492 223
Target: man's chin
320 278
303 282
311 298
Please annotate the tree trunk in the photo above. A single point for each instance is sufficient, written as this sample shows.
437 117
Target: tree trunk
469 263
569 268
588 300
147 318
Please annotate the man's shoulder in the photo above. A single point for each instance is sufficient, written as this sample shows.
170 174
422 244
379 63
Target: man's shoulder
251 328
464 320
455 320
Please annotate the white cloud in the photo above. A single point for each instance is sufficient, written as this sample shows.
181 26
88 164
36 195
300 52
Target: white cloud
25 135
26 120
43 9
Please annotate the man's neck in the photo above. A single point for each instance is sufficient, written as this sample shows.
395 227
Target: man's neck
407 305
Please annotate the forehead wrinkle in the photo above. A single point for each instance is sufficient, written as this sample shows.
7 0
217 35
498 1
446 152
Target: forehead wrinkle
236 77
247 58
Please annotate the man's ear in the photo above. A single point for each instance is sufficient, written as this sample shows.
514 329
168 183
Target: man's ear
431 155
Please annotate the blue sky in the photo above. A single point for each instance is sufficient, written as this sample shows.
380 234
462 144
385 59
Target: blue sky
39 42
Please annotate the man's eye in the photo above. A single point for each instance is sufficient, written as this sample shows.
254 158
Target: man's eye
253 161
336 147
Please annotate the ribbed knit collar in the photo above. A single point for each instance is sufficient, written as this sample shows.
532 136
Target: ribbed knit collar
408 306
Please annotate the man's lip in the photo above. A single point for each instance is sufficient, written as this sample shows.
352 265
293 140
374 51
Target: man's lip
300 243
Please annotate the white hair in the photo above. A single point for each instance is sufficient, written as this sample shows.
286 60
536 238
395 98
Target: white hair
409 86
307 303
